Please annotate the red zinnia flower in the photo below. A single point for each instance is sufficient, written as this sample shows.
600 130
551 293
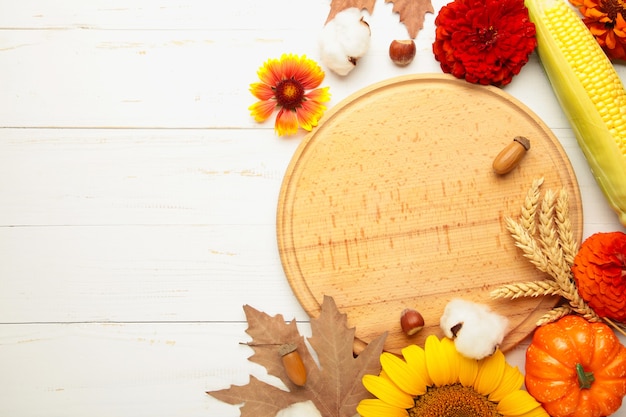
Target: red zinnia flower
285 84
600 274
606 19
484 41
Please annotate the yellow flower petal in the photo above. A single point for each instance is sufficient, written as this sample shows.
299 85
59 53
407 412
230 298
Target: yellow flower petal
415 357
512 380
286 122
309 114
386 391
406 378
537 412
262 110
468 370
517 403
438 361
376 408
320 95
490 373
262 91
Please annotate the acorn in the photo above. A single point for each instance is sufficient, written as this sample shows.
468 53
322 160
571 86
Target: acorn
511 155
292 361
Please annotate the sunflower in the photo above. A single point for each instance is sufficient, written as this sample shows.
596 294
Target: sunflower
437 381
285 84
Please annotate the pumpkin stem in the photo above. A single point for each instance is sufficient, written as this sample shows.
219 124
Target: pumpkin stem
584 378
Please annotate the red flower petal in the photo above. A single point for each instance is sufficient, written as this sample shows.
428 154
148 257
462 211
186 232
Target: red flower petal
600 274
485 42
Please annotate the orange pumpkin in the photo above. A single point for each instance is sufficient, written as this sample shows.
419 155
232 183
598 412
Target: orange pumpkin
576 368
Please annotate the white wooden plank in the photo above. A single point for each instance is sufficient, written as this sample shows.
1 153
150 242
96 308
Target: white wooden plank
125 370
141 273
114 177
160 14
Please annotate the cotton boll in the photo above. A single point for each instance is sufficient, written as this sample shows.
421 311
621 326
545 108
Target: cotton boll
477 331
344 40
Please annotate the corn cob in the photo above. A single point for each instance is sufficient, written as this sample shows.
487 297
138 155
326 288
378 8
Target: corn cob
589 91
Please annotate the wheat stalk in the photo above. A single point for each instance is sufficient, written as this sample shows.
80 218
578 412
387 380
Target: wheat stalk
544 235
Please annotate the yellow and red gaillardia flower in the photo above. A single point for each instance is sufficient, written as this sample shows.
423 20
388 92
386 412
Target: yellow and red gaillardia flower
606 19
484 41
437 381
290 84
599 271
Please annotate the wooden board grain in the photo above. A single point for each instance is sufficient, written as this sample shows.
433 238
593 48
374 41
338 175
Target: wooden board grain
391 202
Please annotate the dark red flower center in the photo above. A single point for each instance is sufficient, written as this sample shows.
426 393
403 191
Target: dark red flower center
485 37
612 8
289 93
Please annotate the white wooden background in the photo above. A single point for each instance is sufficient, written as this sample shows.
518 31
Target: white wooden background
138 197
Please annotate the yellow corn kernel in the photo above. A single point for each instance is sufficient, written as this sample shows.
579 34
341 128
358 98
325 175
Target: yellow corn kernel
589 91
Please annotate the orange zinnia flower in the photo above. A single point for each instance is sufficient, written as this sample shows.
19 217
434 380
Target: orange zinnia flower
285 84
600 274
606 19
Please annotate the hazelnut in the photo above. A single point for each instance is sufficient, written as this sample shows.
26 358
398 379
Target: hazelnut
402 52
411 321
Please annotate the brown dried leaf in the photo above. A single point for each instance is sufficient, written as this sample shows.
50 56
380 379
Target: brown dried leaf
338 5
412 13
334 387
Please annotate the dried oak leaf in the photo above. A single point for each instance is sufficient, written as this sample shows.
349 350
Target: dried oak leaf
338 5
412 13
334 386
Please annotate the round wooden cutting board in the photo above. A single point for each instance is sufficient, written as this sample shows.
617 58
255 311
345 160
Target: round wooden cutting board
391 202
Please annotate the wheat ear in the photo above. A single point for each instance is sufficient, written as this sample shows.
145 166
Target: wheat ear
529 208
554 314
526 289
524 241
564 227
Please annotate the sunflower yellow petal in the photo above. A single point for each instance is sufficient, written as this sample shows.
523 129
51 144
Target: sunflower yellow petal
490 373
415 357
517 403
262 110
376 408
454 359
386 391
468 370
537 412
512 380
407 379
438 361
